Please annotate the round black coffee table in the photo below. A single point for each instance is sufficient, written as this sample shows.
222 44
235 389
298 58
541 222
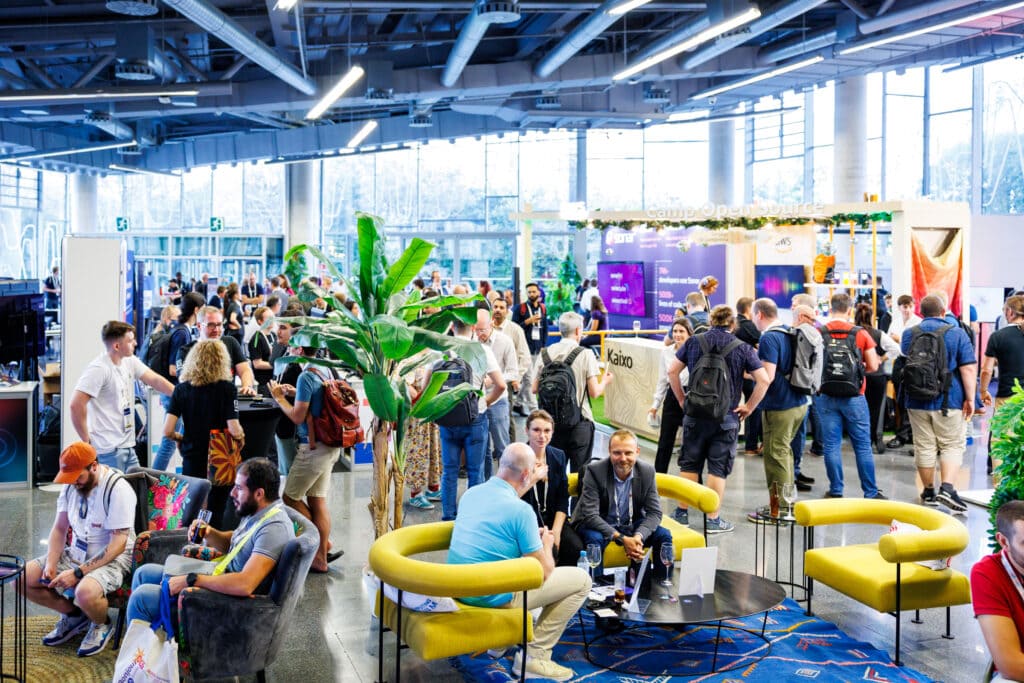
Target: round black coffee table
737 595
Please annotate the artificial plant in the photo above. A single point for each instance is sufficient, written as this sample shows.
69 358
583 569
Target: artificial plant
1007 429
385 344
563 295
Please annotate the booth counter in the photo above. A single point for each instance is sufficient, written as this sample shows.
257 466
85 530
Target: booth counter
634 363
17 433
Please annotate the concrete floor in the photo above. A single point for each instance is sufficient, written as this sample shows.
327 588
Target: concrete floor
331 639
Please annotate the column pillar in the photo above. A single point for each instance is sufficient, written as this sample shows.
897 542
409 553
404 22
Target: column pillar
578 193
83 205
302 214
851 140
721 166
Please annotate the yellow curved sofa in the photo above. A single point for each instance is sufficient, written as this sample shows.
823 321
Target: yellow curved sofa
436 635
884 575
691 493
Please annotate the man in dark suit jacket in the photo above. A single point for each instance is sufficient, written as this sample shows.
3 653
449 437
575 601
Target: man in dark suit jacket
619 503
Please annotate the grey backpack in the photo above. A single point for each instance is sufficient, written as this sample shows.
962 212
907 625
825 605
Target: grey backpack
806 345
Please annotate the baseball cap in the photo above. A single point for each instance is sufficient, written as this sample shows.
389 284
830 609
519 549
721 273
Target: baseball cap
73 462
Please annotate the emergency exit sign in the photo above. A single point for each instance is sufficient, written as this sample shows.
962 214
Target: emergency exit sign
121 223
216 224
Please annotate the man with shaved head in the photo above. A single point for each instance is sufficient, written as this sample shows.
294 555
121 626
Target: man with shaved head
494 524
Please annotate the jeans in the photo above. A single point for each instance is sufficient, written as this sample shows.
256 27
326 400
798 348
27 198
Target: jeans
119 458
472 438
167 446
144 602
817 440
498 419
851 414
660 536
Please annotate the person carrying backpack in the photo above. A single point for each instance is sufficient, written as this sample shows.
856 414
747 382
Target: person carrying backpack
792 361
849 353
696 312
565 376
717 361
939 379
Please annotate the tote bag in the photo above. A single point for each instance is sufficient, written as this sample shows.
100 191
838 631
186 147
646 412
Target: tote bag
149 652
225 456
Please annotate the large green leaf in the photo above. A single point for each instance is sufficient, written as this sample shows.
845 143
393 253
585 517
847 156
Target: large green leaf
441 301
470 351
381 396
393 335
315 253
439 322
371 263
441 404
406 267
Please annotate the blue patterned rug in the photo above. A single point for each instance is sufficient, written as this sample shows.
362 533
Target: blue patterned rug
801 648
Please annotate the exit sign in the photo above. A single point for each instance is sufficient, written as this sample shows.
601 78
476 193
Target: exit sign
216 224
122 224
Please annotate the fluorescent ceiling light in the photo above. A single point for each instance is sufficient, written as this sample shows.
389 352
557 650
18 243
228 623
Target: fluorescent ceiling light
363 133
759 77
68 151
96 94
285 4
885 40
143 171
702 37
688 115
626 6
346 82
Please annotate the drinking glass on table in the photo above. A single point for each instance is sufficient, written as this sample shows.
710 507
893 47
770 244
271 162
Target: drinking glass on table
593 557
789 496
668 556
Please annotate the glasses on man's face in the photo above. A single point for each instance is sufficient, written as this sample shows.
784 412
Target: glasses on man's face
215 324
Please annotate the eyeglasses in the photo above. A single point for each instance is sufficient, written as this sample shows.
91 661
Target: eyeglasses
215 324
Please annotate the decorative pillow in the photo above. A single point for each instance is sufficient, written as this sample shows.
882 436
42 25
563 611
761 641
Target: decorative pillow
168 498
200 552
898 527
420 603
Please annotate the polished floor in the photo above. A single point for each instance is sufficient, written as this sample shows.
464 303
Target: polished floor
331 637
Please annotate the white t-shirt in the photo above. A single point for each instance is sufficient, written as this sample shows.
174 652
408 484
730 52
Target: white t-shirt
112 408
492 366
505 355
583 368
897 325
91 524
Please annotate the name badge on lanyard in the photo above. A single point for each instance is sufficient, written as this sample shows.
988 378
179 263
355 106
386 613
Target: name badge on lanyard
535 332
79 549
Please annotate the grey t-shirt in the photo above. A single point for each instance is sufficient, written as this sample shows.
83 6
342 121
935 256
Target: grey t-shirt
269 540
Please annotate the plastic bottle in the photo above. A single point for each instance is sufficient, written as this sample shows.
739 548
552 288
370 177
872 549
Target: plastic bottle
583 563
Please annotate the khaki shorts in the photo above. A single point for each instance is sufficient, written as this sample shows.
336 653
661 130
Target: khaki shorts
109 576
310 473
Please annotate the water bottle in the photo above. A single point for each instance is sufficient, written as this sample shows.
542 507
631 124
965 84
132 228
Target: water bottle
582 563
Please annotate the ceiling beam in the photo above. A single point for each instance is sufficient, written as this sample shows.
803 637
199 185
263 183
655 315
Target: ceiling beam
94 70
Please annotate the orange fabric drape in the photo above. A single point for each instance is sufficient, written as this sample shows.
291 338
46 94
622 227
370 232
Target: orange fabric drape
943 272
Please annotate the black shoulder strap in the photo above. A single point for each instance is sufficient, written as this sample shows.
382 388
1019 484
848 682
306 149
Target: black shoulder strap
108 491
732 346
544 355
573 355
703 343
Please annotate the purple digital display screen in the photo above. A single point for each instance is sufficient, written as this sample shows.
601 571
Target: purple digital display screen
622 288
779 283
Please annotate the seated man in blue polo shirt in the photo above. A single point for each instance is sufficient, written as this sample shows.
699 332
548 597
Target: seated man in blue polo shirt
493 524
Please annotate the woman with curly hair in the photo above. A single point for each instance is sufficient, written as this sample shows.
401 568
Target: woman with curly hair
205 400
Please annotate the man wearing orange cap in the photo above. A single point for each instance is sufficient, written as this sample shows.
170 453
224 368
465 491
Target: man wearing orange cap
77 571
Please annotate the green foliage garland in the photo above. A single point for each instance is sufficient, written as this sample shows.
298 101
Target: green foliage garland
861 220
1008 446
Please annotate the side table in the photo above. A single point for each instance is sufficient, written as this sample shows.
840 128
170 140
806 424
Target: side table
13 641
766 522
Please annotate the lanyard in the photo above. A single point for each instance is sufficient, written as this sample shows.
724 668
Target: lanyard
533 311
222 565
1013 575
615 499
540 500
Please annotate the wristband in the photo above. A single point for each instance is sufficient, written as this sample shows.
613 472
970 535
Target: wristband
79 574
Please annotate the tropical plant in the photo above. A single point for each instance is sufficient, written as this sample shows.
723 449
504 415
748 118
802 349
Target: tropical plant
390 338
563 295
1007 429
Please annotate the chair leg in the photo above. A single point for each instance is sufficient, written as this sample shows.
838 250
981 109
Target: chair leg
917 617
522 661
810 593
119 626
398 640
261 676
380 635
899 604
948 635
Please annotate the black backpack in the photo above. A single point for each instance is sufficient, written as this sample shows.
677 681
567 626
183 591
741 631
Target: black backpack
699 327
710 395
465 411
926 374
158 355
556 389
843 372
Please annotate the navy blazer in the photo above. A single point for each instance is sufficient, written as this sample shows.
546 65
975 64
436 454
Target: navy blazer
596 493
556 490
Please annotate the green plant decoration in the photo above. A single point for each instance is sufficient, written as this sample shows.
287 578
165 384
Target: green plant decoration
384 345
861 220
296 269
567 272
1007 428
562 297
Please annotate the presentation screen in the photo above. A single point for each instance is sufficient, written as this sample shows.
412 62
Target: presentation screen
622 287
779 283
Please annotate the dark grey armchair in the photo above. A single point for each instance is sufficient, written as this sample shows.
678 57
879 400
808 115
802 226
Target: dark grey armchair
224 636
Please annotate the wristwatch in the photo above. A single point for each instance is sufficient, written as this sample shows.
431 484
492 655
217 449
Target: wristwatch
617 538
79 574
191 579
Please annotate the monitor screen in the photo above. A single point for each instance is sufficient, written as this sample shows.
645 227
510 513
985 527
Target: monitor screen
622 288
779 283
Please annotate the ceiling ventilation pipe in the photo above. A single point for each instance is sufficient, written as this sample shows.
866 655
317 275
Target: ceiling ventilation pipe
923 11
586 31
473 29
787 49
211 19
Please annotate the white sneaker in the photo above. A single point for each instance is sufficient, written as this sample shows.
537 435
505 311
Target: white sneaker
67 628
541 668
96 639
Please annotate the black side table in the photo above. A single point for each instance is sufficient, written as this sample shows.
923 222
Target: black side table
764 523
13 646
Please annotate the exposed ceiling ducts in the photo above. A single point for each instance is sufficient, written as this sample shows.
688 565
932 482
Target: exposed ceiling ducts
479 20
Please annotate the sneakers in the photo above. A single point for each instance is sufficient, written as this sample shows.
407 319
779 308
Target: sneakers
801 479
719 526
928 497
878 496
801 486
433 496
947 495
541 668
67 628
420 502
829 494
895 442
96 639
681 515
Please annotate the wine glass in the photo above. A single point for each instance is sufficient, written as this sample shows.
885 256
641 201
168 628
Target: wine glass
668 556
789 497
593 556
